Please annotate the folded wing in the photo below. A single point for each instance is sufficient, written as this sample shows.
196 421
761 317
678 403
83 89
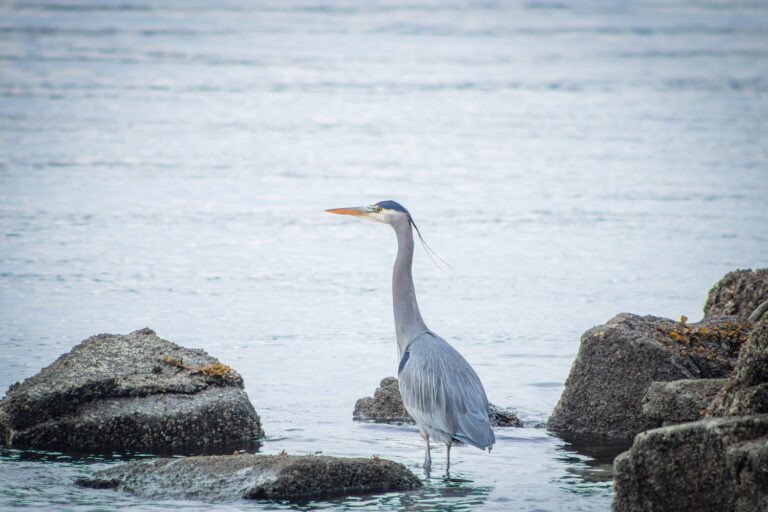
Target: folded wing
443 393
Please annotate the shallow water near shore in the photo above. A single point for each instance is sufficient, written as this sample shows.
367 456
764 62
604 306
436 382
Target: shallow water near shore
167 165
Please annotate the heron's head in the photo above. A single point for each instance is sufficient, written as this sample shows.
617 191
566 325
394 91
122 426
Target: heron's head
392 213
388 212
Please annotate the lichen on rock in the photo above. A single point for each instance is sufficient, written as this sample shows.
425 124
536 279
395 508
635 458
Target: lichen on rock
717 464
131 392
617 362
746 390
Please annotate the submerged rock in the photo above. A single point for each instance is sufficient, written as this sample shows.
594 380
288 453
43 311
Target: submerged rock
386 406
618 361
131 392
739 294
249 476
679 401
716 465
746 390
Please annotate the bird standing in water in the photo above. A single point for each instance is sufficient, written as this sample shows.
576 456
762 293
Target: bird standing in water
440 390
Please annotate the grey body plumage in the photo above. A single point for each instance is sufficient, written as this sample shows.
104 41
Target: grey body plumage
440 390
443 394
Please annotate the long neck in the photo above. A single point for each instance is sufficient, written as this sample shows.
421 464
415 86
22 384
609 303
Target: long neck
408 321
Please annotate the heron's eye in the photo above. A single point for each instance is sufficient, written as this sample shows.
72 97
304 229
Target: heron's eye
378 209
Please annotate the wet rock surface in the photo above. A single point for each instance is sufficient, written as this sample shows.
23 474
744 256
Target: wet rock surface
746 390
716 464
708 465
131 392
386 406
249 476
679 401
617 362
501 417
738 294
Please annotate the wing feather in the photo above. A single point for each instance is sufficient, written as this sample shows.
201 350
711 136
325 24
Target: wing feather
443 393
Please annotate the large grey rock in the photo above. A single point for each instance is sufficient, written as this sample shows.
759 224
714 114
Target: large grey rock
618 361
679 401
386 406
230 477
738 294
716 465
132 392
746 390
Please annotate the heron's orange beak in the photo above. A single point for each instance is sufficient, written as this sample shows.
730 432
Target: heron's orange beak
361 211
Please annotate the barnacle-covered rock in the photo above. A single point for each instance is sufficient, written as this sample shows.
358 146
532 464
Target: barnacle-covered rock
503 417
746 390
738 294
713 465
131 392
618 361
250 476
679 401
386 406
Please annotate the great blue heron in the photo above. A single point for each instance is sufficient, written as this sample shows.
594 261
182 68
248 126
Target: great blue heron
440 390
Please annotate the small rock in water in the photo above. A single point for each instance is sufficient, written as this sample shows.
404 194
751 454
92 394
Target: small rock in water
386 406
501 417
250 476
132 392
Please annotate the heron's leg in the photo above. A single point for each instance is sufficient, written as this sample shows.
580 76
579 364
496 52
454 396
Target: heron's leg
448 456
427 456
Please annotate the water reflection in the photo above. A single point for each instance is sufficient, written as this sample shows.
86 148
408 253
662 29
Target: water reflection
444 493
85 458
589 459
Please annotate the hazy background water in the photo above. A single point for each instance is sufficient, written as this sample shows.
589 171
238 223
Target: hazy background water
167 164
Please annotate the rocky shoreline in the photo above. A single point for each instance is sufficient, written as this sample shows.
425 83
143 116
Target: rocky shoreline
618 362
694 396
138 392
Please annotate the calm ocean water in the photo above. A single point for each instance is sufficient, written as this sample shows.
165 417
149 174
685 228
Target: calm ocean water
167 164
